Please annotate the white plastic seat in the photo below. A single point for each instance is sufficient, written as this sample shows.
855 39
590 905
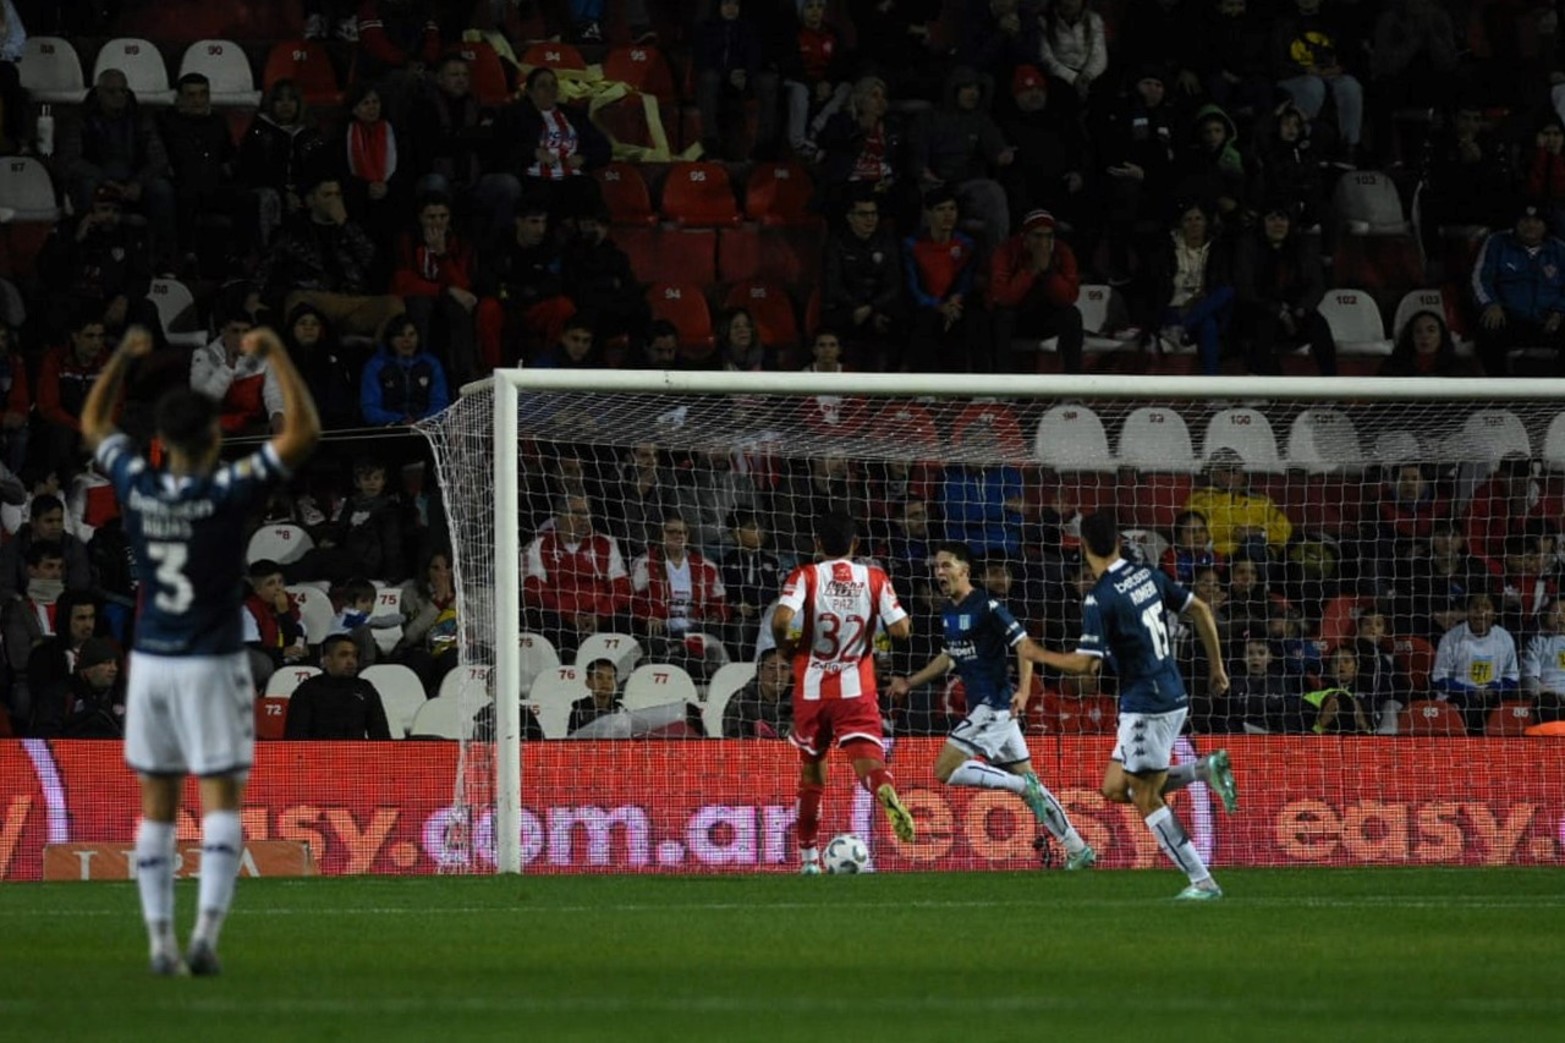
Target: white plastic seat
623 650
538 658
1399 447
1155 438
1366 202
177 314
1324 440
441 719
712 712
13 306
1554 443
658 684
1488 436
401 693
1247 432
224 63
1102 309
1413 302
286 678
27 191
1150 542
551 696
281 543
315 611
554 718
51 71
729 679
1071 437
142 63
462 678
1355 323
388 604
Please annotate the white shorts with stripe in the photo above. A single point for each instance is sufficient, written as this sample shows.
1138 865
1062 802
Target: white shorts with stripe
1145 741
993 734
189 714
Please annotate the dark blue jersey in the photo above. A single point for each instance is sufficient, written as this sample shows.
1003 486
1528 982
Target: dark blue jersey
1125 618
188 537
979 636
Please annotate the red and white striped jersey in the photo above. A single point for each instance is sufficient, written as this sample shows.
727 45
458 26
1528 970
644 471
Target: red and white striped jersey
839 606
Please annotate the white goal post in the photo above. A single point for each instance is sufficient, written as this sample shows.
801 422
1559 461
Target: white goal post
621 407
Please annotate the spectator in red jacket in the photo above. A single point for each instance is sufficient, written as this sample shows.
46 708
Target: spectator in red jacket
1033 286
434 277
66 375
678 594
574 581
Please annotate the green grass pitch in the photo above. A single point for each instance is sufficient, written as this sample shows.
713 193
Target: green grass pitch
1325 954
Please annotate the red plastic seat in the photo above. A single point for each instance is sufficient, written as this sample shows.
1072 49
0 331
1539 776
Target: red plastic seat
908 424
1339 619
1415 657
641 246
690 253
699 195
1089 715
771 308
643 67
780 194
1431 717
626 194
1378 262
1000 419
271 716
1512 717
561 57
491 80
684 305
308 65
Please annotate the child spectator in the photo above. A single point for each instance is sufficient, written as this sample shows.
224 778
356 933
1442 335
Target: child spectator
1290 164
576 348
1543 665
763 708
376 184
402 383
330 368
940 264
814 76
273 631
355 618
752 577
365 536
1379 678
603 683
429 633
1298 654
1476 664
1342 707
435 277
1264 700
1191 549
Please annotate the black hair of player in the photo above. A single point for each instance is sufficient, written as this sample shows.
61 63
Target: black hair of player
958 550
1100 533
835 532
185 420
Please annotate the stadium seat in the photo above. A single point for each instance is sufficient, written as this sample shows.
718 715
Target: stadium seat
142 63
771 308
280 543
699 195
286 678
658 684
26 189
401 694
623 650
780 194
684 305
538 658
388 605
1071 437
224 63
626 195
1553 442
1391 263
1247 432
1431 717
176 305
999 420
1103 311
712 712
785 254
1089 715
553 718
13 306
1323 441
1510 718
1155 438
271 717
1413 302
491 82
1149 544
315 611
566 61
644 68
308 64
440 718
551 696
1489 436
1366 202
689 252
1339 619
1415 657
473 675
51 71
910 426
1396 447
1355 323
727 681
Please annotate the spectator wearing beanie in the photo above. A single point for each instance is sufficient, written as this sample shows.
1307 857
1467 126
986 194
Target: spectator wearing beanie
1033 286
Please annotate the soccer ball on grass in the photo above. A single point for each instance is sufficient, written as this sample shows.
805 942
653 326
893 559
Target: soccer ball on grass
846 854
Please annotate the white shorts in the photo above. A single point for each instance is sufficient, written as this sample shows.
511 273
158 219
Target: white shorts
992 734
1145 741
189 714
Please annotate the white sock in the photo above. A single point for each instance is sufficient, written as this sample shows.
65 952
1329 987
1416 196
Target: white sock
222 839
155 881
1175 842
809 854
1182 775
1059 824
984 776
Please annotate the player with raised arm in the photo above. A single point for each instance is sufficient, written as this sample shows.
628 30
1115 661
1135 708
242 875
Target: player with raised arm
189 699
978 631
838 606
1124 617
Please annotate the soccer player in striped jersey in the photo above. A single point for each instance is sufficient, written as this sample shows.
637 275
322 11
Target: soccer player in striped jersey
1124 618
189 699
826 622
979 633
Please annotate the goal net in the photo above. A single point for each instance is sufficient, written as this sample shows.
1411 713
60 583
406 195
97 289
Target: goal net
1382 557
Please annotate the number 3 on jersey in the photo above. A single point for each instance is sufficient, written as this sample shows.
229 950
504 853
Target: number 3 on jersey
174 590
1157 630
